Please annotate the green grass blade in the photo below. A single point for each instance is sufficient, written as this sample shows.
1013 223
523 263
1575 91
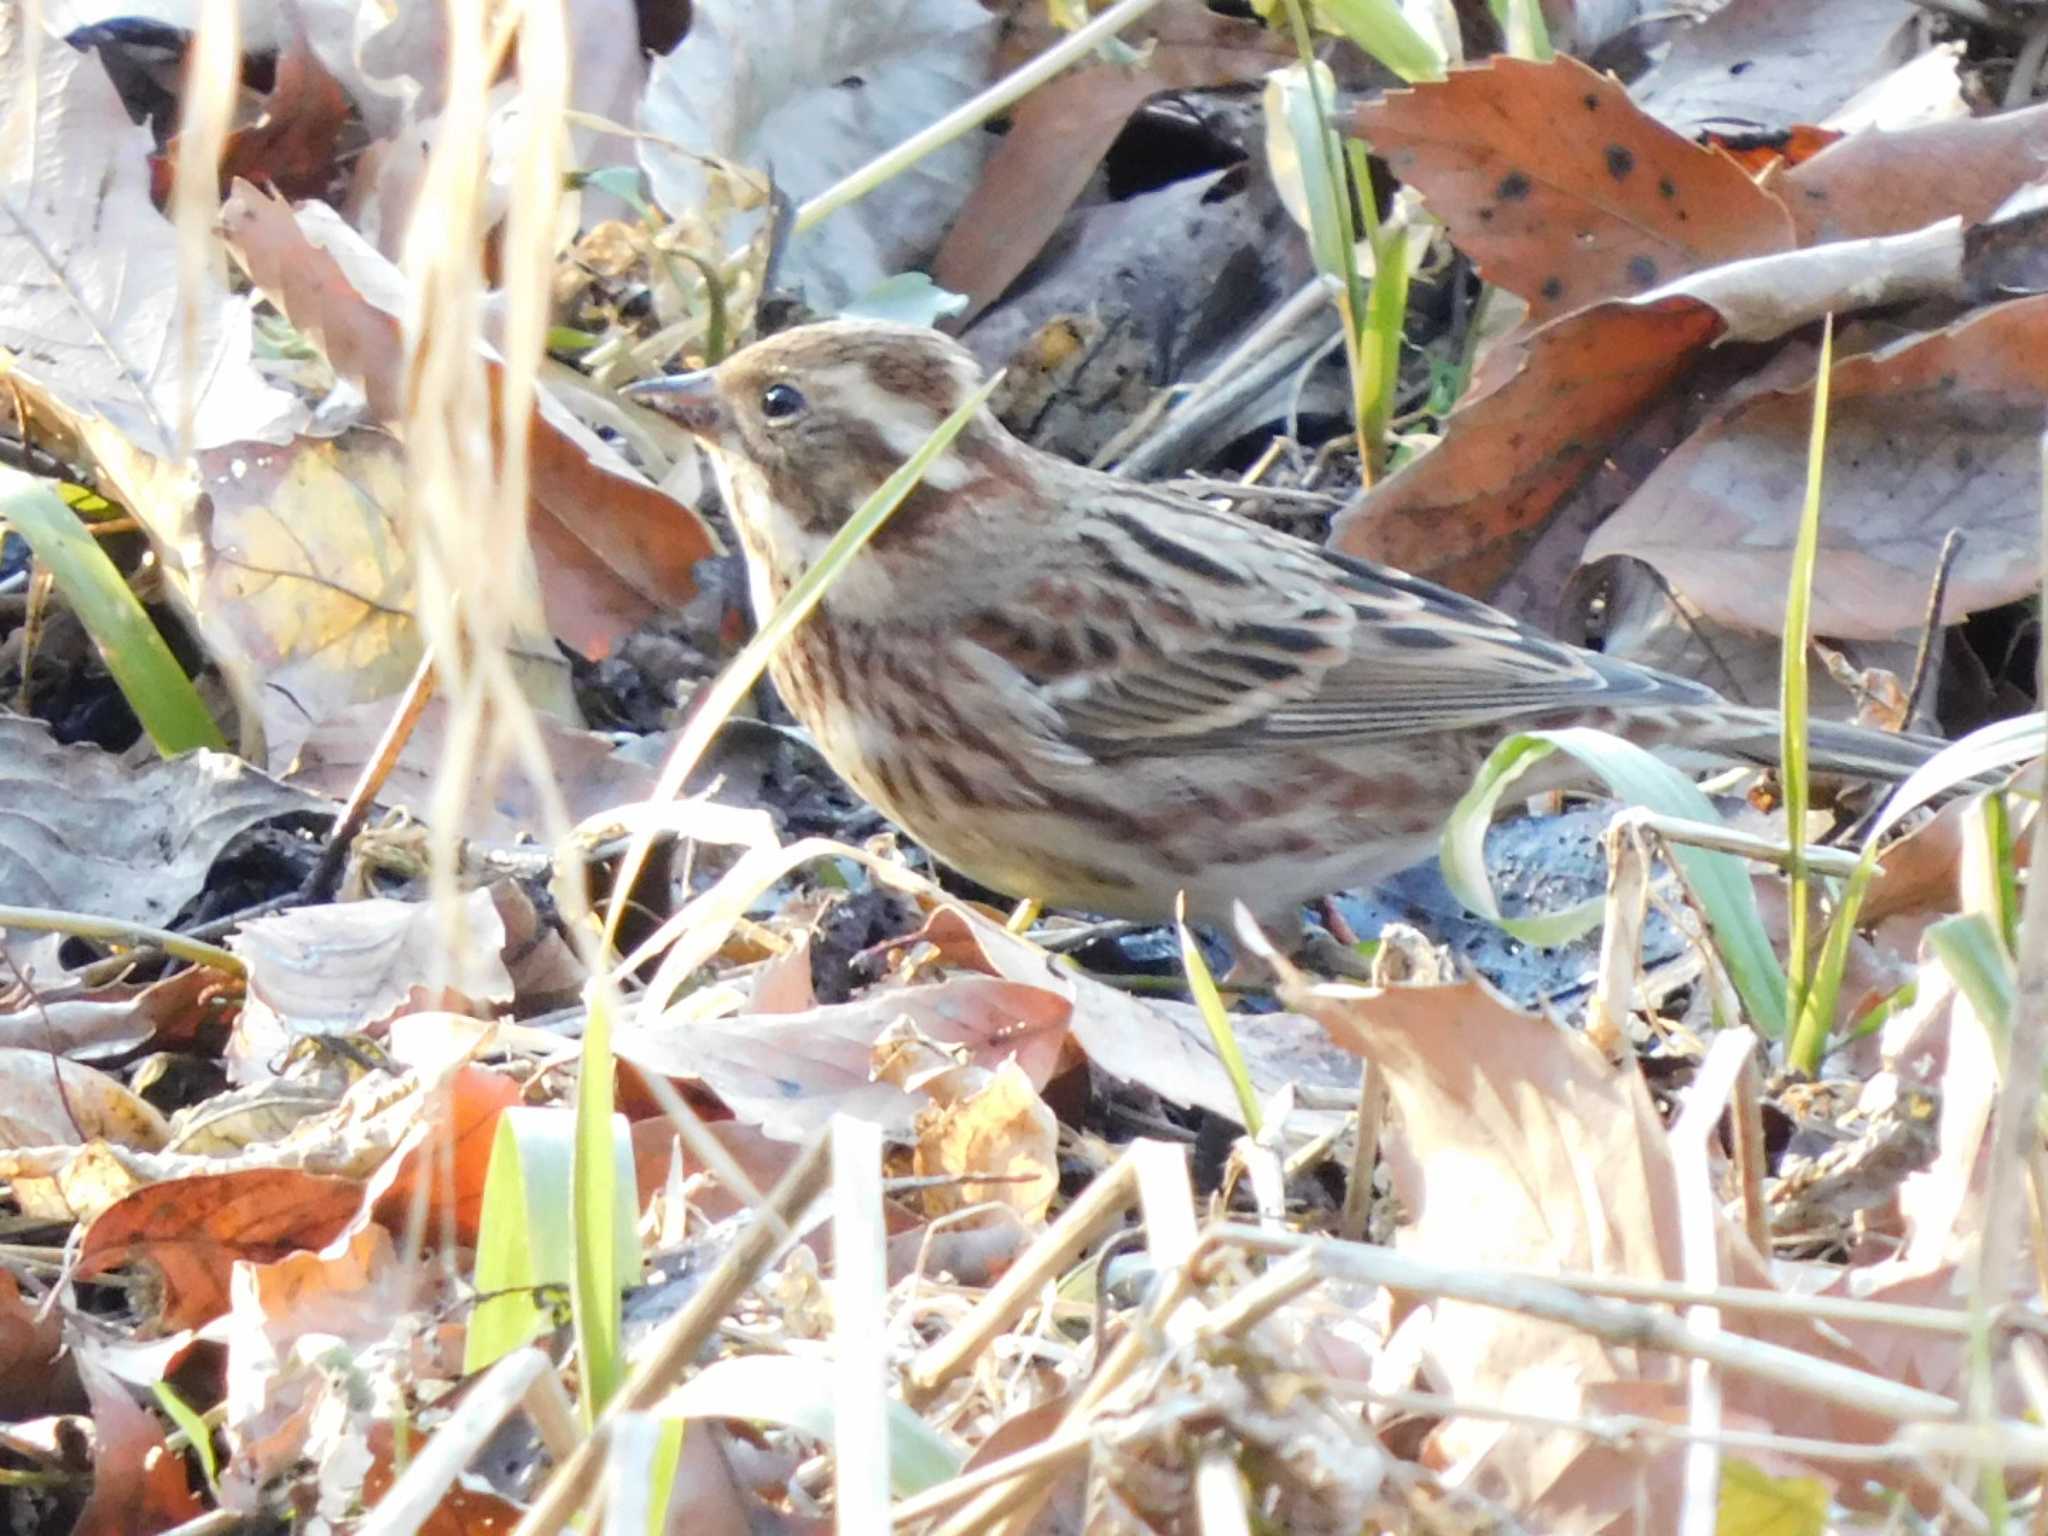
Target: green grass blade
143 667
2000 745
603 1200
1793 691
1719 880
1210 1002
1379 27
1523 28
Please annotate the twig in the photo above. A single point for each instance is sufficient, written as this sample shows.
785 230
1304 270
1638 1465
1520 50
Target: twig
1937 597
1617 1323
326 877
1105 1200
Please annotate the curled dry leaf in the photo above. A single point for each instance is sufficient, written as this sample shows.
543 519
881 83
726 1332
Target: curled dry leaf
1463 512
789 1073
990 1123
589 773
306 595
137 1483
1060 132
1163 1047
1938 432
1546 405
1886 183
114 1020
347 967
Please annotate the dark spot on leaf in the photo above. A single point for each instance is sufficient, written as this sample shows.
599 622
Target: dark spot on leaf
1620 162
1486 215
1742 68
1592 102
1642 271
1553 288
1513 187
1666 187
852 82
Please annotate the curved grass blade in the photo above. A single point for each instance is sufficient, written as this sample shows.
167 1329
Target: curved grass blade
142 665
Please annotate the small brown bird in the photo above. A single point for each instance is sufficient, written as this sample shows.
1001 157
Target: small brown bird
1099 693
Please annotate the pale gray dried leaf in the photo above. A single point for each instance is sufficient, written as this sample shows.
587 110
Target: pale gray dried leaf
342 968
809 90
81 831
1765 65
88 274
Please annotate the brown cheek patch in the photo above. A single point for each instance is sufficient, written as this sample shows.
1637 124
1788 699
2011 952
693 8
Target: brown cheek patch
913 374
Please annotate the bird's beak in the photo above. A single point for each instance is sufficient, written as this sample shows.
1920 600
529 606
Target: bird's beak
689 399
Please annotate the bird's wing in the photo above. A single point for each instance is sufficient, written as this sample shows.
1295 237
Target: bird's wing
1170 625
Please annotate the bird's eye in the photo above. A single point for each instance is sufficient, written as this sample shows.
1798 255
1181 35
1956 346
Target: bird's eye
780 402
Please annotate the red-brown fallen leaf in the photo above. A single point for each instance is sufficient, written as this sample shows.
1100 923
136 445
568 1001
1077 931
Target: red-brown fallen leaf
1941 431
1463 512
434 1183
138 1483
38 1375
1885 183
1061 131
611 549
1561 188
191 1232
291 147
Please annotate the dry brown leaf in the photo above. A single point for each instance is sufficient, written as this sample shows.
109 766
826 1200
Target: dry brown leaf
1164 1047
192 1231
1941 431
114 1020
1463 512
350 966
588 772
138 1481
1516 1145
790 1072
1561 189
992 1123
1885 183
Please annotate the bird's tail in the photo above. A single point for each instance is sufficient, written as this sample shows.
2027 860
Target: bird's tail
1851 751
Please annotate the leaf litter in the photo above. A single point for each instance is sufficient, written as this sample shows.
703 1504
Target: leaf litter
1478 1268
